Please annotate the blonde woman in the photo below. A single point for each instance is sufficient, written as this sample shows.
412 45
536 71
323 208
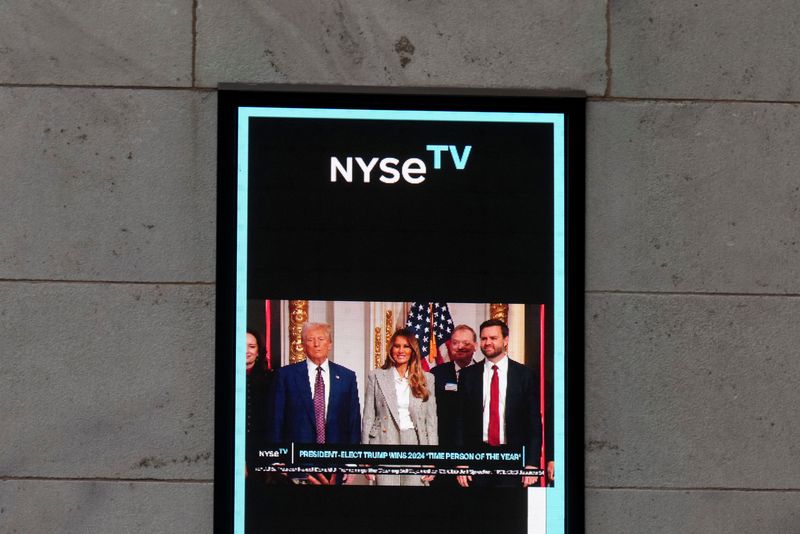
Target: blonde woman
400 407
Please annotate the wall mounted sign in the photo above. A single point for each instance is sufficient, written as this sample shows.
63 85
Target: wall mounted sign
399 311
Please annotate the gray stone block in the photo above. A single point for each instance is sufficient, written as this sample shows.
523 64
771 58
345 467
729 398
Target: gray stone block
108 184
94 42
710 50
543 44
690 512
692 391
78 507
693 197
106 380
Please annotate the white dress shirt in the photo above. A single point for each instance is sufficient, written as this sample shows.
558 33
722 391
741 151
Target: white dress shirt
403 392
326 377
459 368
502 375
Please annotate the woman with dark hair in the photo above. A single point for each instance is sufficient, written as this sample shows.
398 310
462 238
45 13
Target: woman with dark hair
254 349
400 407
256 426
257 380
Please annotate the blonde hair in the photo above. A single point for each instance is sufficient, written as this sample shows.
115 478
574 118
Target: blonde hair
313 326
469 329
416 376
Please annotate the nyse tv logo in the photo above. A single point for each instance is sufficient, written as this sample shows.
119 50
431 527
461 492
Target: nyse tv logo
412 170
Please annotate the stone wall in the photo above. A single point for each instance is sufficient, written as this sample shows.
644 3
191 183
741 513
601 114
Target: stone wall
107 211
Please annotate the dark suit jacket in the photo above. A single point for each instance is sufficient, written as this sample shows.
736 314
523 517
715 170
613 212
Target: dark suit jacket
257 409
523 423
293 408
446 402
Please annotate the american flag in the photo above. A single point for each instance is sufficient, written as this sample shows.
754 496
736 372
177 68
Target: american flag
430 331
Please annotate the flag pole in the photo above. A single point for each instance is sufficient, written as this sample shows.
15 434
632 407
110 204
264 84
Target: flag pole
433 352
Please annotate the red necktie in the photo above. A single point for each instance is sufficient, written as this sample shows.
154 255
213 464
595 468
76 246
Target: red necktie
494 409
319 406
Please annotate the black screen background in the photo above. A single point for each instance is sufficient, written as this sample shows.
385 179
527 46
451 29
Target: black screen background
481 234
464 244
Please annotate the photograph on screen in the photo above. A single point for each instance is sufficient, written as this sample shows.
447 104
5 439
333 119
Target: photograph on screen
397 393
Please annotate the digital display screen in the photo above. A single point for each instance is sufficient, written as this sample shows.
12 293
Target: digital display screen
400 311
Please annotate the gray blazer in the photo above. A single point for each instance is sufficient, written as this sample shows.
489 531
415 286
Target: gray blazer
380 422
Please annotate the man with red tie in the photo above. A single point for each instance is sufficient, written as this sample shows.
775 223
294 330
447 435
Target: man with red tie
499 402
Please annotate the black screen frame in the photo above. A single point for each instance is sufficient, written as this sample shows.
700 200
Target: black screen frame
230 98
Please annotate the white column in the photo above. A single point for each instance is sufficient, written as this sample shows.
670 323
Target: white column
516 332
351 340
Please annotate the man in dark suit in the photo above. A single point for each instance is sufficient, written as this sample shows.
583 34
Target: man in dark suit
499 401
461 349
315 401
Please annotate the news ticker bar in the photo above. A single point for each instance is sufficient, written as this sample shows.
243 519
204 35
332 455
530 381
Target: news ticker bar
501 457
389 470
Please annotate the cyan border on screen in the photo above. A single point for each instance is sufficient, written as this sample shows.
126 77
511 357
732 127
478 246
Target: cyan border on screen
555 500
240 429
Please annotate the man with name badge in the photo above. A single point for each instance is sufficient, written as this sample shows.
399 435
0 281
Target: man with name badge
315 401
499 404
461 349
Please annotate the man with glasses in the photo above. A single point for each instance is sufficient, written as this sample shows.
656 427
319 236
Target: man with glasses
461 349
